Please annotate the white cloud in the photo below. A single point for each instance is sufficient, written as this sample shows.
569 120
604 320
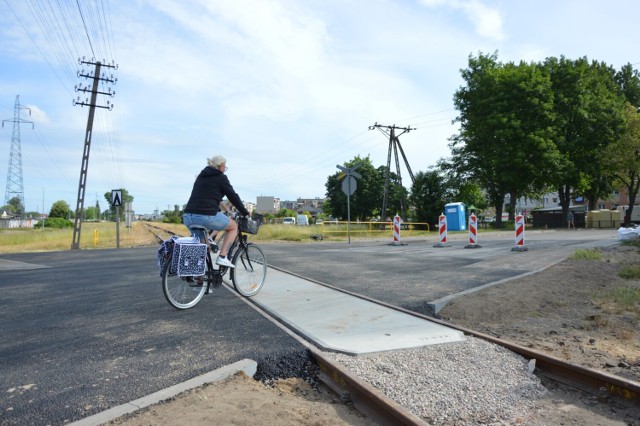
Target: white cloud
486 20
38 115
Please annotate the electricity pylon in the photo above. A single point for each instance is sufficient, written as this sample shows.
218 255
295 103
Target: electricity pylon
394 144
15 186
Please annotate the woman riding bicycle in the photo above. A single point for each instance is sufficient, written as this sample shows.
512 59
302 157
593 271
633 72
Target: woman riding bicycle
203 207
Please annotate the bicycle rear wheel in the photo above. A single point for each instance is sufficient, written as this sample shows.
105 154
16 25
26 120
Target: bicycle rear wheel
250 270
182 292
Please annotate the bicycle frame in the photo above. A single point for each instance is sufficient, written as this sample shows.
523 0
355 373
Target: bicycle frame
214 276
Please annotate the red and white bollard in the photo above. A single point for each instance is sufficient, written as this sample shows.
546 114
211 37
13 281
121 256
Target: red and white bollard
397 220
396 230
473 232
519 234
442 227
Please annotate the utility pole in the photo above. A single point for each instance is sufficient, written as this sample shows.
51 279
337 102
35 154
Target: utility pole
15 186
97 79
394 144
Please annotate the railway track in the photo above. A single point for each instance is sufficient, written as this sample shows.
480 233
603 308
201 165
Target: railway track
158 232
373 403
376 405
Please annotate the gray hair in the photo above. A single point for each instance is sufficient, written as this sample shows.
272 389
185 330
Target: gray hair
216 161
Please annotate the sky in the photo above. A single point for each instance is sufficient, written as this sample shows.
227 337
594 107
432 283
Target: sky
285 90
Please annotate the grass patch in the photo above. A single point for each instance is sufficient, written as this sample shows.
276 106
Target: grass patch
286 233
93 235
619 299
100 235
586 254
630 272
634 243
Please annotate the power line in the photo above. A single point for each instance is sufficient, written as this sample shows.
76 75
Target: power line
85 28
64 31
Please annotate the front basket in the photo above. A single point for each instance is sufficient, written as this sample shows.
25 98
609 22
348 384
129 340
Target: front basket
248 225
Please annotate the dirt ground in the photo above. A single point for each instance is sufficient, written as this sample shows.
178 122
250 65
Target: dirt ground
565 310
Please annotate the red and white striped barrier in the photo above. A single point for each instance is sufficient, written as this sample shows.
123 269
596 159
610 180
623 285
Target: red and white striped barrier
473 232
442 227
397 220
396 230
519 234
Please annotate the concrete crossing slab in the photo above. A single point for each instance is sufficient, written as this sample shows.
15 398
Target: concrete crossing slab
336 321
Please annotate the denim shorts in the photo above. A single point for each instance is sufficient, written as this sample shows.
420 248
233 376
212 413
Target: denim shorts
212 223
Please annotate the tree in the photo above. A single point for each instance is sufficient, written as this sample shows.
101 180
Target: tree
428 195
126 198
471 194
623 158
9 209
60 209
91 213
628 79
505 142
365 200
16 206
587 118
172 216
397 195
286 213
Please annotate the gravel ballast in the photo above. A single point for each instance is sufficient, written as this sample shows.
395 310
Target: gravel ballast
470 382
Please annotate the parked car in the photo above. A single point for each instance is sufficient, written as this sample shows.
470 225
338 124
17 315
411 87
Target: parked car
289 220
319 222
303 220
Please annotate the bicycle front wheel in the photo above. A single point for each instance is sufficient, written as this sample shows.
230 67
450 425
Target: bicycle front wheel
250 270
182 292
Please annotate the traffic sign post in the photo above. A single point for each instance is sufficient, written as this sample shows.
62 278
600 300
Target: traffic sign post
349 186
116 201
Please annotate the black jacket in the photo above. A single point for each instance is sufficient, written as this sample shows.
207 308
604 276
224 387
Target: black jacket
210 187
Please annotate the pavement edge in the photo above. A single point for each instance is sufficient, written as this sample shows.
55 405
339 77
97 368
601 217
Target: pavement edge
248 366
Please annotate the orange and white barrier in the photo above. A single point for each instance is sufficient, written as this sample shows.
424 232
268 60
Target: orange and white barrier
442 228
473 232
519 234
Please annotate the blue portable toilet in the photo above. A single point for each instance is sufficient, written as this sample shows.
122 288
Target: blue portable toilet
456 217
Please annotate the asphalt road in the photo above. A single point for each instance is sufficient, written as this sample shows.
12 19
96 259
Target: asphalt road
84 331
92 330
415 274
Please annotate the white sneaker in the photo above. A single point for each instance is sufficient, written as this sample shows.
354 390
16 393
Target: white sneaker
223 261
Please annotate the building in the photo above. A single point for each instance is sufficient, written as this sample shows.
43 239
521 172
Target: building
273 205
267 204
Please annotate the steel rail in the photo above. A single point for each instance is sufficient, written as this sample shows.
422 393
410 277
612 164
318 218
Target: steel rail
365 397
601 384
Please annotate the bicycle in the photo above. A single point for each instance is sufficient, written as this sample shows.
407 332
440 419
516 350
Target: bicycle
248 276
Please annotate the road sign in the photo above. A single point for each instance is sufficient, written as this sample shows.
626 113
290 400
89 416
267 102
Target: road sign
349 185
116 197
349 171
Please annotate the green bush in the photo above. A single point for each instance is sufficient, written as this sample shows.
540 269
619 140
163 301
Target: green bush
57 223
